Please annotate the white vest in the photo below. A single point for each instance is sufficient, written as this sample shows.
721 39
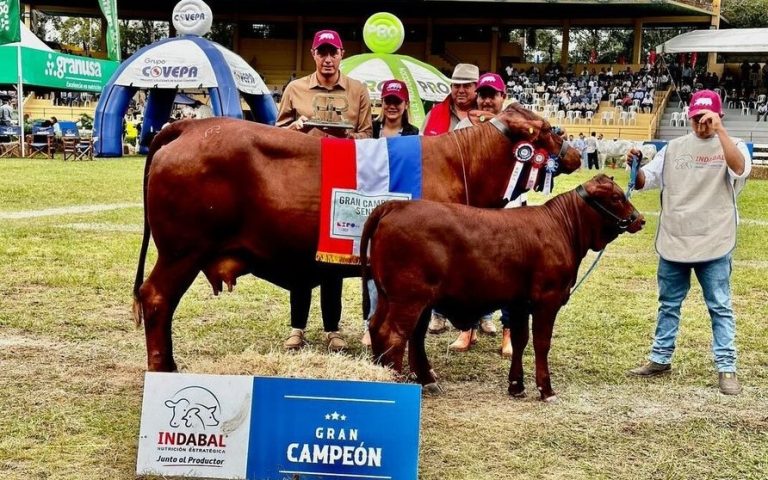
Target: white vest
698 203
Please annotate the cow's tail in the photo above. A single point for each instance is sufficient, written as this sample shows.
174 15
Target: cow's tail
371 224
165 136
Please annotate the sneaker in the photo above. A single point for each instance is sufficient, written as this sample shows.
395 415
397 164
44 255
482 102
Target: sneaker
295 340
437 324
487 326
651 369
335 341
366 340
729 383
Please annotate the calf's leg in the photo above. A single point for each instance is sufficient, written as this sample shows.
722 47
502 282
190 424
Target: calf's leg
518 326
417 354
543 324
160 295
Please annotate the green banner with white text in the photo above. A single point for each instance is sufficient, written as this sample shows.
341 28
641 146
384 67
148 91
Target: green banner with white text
10 21
109 9
55 70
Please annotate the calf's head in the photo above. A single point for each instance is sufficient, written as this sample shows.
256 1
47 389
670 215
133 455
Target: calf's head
617 214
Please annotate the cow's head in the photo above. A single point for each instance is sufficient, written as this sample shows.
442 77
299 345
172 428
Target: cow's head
523 124
615 212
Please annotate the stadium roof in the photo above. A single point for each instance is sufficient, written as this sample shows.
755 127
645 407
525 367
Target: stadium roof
506 11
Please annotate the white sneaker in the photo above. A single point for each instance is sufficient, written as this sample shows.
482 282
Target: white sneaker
487 326
437 324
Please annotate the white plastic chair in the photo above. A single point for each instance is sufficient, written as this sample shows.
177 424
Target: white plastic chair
744 108
571 116
675 119
606 118
632 119
589 116
560 116
623 117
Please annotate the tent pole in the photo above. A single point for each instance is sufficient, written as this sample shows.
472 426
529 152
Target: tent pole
20 100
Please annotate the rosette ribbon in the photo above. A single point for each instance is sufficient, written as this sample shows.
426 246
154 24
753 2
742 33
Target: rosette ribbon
524 151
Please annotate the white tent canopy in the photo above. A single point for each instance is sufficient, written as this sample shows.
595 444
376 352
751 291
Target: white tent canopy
736 40
28 39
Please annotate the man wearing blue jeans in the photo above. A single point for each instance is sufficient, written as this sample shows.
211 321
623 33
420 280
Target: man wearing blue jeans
700 175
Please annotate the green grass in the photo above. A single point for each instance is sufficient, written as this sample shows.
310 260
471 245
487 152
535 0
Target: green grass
72 363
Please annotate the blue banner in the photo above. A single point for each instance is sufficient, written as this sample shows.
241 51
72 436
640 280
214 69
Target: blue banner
326 429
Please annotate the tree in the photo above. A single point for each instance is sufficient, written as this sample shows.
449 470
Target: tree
745 13
135 34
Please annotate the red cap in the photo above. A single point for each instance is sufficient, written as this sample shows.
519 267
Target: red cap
327 37
491 80
394 88
705 100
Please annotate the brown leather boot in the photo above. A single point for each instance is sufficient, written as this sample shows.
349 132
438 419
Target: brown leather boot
466 339
506 343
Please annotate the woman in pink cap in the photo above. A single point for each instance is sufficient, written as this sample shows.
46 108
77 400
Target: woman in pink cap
393 119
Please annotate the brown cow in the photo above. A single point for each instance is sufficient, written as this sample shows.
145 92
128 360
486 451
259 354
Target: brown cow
467 261
229 197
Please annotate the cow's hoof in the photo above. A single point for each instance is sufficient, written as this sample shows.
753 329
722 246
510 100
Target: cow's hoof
553 400
432 389
518 394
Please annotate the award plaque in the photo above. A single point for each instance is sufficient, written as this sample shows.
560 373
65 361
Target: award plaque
329 112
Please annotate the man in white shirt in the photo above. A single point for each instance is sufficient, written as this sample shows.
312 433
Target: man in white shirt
700 175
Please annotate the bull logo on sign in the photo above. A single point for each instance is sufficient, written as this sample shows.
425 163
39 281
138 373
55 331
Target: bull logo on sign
326 36
488 79
703 101
194 407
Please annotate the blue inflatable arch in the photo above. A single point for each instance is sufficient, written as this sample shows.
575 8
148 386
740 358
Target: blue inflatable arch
225 96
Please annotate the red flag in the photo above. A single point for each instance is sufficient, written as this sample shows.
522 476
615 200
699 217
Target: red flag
694 56
593 56
652 57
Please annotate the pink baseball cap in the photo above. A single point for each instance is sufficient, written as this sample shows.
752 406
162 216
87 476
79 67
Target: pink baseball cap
395 88
491 80
327 37
705 100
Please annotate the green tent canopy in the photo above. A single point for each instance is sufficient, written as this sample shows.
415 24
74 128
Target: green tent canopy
43 67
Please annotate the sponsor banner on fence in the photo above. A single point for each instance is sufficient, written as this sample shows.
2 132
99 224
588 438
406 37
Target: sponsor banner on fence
274 428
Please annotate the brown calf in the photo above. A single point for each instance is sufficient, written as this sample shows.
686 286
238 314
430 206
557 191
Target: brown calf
467 261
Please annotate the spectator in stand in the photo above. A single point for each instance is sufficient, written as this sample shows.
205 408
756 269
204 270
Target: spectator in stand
647 103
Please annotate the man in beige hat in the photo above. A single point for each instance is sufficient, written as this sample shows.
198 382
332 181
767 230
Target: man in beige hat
446 115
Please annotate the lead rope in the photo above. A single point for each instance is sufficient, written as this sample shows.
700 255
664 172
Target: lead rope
463 167
630 186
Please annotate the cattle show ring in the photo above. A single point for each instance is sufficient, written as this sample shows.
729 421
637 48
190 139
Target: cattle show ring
154 258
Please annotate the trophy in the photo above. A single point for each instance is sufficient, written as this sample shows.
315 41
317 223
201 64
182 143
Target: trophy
329 109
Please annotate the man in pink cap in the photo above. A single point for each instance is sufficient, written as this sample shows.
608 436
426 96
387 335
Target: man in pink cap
491 93
700 175
296 108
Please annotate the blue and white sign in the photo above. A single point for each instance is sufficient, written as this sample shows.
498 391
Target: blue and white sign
219 426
